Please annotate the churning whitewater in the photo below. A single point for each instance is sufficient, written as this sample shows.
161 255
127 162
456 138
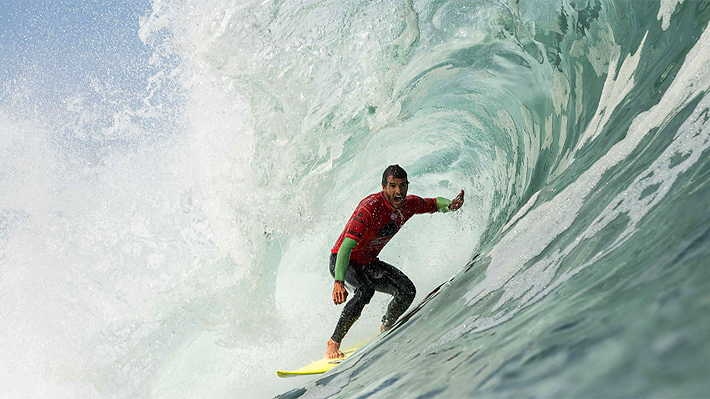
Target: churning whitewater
172 182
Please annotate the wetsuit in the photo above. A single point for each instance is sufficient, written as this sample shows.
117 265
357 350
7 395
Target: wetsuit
354 259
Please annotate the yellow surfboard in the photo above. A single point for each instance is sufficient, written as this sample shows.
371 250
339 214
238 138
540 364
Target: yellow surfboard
320 366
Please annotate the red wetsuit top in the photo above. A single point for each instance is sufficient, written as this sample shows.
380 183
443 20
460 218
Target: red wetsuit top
375 222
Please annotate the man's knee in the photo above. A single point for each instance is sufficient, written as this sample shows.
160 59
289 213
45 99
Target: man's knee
408 292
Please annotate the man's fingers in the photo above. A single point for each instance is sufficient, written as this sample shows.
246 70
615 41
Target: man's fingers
457 202
343 295
339 296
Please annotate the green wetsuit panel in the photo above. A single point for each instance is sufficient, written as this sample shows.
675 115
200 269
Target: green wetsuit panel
343 260
442 204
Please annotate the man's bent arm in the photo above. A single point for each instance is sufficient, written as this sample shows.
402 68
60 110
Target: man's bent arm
343 260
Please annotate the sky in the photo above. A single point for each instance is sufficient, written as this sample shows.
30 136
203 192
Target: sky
54 45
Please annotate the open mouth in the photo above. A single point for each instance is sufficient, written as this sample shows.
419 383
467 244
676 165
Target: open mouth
398 199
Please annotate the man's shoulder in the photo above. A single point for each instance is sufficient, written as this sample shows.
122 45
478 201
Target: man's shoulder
416 203
371 201
415 200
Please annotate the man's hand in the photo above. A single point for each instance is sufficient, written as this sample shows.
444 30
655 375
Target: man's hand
340 294
457 202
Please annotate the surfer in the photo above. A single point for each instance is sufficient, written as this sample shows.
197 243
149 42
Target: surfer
354 259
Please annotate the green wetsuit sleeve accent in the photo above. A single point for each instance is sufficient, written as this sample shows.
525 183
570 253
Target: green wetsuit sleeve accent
343 260
442 204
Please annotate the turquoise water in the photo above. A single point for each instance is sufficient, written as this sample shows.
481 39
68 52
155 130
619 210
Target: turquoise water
166 234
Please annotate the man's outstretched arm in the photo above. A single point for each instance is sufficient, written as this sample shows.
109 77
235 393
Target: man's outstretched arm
444 205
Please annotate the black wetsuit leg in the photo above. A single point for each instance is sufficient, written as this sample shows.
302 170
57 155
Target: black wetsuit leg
366 279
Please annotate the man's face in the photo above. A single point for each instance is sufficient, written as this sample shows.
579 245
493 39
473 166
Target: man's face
395 191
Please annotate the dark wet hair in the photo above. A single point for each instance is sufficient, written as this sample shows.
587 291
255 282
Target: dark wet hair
395 171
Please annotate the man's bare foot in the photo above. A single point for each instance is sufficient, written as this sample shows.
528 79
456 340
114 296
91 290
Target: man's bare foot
383 329
333 351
